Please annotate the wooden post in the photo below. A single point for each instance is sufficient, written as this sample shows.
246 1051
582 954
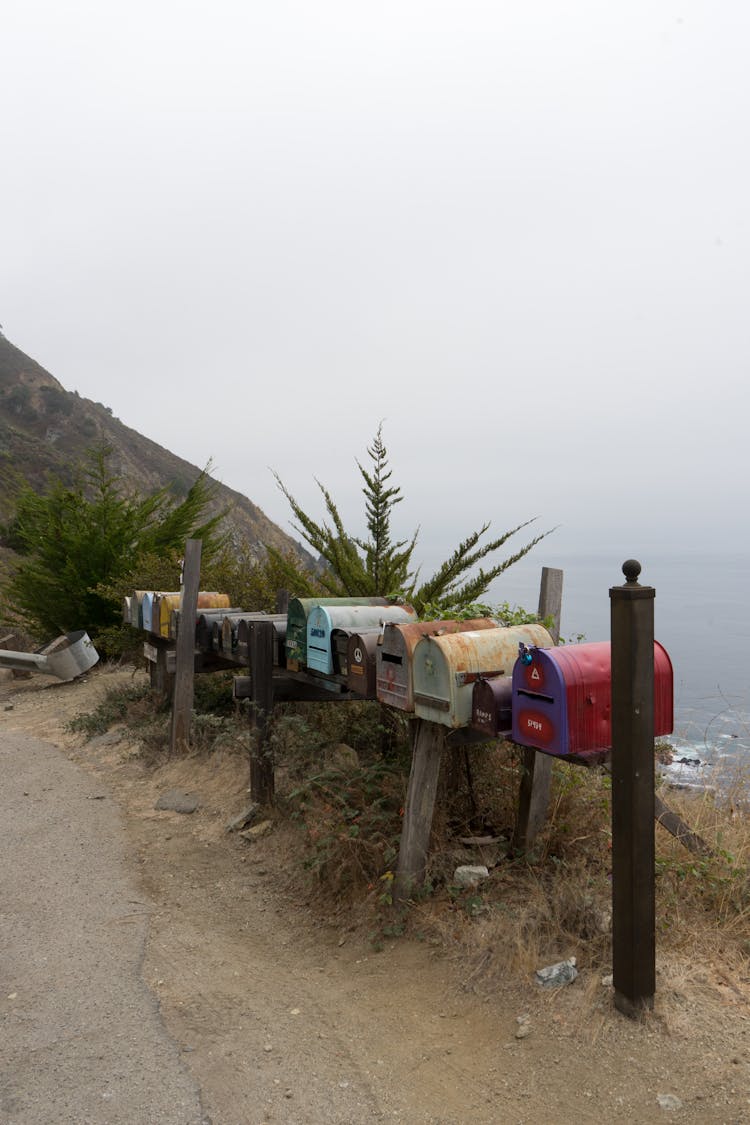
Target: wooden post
420 805
260 652
182 704
162 680
282 601
633 806
536 780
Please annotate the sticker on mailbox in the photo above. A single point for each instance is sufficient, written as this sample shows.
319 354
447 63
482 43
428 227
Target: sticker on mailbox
536 727
533 674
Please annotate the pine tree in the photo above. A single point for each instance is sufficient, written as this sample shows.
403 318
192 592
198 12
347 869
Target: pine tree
364 567
75 540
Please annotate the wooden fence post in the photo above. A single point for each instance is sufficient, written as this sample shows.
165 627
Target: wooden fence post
536 780
261 640
633 836
182 702
429 739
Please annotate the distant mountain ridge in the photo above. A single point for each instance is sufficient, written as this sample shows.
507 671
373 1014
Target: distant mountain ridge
44 428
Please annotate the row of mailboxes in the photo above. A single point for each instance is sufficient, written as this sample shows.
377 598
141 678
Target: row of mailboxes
445 668
296 628
152 610
469 673
559 700
429 668
329 628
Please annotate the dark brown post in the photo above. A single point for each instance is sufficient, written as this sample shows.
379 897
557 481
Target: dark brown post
260 652
282 601
182 703
633 842
429 739
536 780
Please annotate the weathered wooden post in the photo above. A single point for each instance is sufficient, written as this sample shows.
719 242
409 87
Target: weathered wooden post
261 641
182 703
633 837
429 739
536 780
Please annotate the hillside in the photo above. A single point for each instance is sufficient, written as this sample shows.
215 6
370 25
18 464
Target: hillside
44 428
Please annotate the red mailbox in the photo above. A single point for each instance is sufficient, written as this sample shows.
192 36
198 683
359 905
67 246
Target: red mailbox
562 698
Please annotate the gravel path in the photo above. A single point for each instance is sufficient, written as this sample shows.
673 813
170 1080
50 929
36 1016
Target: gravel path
81 1038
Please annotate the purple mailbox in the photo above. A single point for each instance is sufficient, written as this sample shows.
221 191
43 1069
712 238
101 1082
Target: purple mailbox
562 698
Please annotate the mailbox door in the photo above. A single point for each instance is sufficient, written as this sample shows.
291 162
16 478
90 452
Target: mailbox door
491 706
361 662
319 658
147 604
167 602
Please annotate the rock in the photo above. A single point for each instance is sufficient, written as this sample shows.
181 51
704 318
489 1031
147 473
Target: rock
175 800
668 1101
608 980
249 814
109 738
257 830
470 876
553 976
342 757
604 920
524 1027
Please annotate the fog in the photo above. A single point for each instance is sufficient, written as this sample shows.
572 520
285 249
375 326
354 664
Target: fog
516 234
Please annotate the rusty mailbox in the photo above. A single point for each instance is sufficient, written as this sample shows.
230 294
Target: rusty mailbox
446 668
296 630
562 698
394 677
164 604
324 621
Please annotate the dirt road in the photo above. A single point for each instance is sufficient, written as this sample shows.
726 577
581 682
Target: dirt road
283 1017
82 1039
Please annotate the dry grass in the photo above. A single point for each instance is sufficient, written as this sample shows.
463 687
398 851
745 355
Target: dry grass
556 901
345 809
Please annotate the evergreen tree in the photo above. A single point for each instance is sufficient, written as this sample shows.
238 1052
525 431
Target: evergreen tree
75 540
378 566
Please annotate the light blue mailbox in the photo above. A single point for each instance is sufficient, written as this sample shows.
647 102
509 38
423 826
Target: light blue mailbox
147 605
323 619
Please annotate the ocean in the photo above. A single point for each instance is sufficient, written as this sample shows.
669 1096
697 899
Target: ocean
701 617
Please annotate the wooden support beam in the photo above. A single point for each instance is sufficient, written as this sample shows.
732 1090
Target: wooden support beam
260 650
681 831
182 703
161 668
429 739
536 779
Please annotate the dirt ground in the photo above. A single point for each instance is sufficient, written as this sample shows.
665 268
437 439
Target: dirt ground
286 1017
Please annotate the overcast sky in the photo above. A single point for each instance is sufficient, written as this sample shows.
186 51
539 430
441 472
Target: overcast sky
518 233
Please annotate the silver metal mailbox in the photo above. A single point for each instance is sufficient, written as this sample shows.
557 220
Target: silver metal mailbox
446 668
393 675
324 619
296 631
